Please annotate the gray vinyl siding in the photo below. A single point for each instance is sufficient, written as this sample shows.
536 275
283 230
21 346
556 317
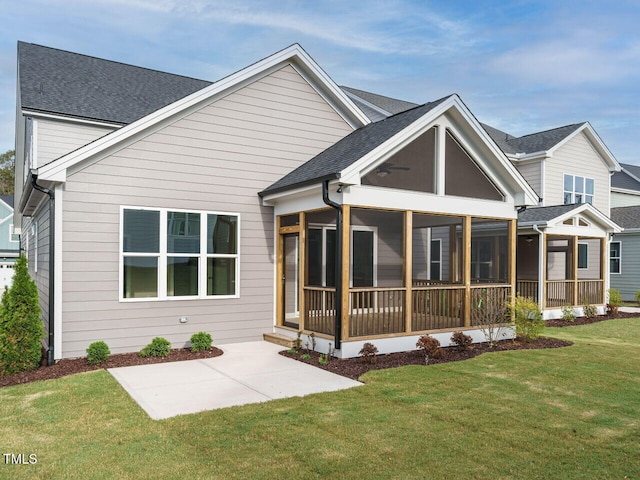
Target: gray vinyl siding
628 281
41 239
532 173
216 159
577 157
56 138
624 199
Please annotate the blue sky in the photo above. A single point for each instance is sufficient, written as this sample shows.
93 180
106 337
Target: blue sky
520 66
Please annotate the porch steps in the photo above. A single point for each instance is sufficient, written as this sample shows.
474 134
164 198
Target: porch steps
279 339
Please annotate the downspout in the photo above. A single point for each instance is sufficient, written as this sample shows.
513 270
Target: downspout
337 325
52 232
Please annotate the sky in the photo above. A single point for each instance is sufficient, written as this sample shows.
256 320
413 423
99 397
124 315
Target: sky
520 66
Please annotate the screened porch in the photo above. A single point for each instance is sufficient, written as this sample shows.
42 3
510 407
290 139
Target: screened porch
403 272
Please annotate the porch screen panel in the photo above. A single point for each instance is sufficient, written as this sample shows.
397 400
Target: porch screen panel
489 251
412 168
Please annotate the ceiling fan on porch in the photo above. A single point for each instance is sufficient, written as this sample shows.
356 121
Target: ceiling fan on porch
387 167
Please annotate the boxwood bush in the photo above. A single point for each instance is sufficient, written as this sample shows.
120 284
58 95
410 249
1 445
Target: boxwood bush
201 342
159 347
98 352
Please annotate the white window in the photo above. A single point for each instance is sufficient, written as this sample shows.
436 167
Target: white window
13 236
578 189
583 256
167 254
615 257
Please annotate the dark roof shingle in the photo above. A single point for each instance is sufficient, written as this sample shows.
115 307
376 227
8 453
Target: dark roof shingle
544 214
626 217
624 179
71 84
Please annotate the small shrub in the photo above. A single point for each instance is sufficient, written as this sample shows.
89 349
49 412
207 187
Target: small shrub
368 352
589 311
310 344
430 346
460 340
527 317
298 344
305 356
292 351
323 359
159 347
201 342
98 352
568 314
638 297
615 300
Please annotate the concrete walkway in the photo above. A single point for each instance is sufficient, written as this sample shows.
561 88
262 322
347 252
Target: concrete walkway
630 309
247 373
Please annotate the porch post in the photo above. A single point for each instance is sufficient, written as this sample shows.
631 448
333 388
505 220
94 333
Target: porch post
302 255
408 269
466 273
574 268
346 257
279 273
604 267
513 239
542 270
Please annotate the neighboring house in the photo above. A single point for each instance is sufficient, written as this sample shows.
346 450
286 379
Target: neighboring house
625 186
152 204
9 241
625 252
570 170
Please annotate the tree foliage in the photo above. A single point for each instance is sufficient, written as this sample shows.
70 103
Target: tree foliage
7 172
21 329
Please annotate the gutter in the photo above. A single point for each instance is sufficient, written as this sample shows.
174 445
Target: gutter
52 230
337 325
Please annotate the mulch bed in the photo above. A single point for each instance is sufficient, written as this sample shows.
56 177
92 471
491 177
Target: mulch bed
77 365
587 321
355 367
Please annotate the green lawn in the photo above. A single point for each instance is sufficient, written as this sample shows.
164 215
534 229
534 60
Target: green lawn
565 413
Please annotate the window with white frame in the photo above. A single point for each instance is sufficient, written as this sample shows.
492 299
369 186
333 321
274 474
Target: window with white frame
13 236
615 257
178 254
583 256
578 189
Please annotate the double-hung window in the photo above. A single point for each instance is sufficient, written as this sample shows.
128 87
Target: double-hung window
615 250
169 254
578 189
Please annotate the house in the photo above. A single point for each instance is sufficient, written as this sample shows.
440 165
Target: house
152 204
570 169
9 241
625 252
625 186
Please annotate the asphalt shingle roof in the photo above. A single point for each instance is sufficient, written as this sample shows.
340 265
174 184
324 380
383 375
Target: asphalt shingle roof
71 84
332 161
8 199
624 180
626 217
544 214
391 105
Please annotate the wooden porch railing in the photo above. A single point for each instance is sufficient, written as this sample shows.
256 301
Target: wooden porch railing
489 304
559 293
590 292
437 307
376 311
320 305
527 288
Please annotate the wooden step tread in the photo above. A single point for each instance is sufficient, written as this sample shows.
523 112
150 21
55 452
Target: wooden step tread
279 339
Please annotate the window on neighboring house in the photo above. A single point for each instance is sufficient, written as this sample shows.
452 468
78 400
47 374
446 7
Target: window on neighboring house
583 255
578 189
13 237
615 257
435 260
179 254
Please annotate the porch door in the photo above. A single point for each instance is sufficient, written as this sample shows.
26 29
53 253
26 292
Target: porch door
290 280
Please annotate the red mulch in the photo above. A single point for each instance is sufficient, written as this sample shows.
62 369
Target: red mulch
77 365
355 367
